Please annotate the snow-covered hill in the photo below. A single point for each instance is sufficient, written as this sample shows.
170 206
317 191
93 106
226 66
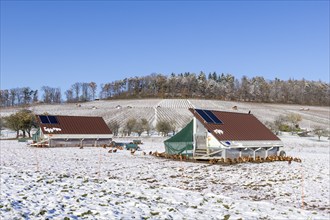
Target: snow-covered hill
177 111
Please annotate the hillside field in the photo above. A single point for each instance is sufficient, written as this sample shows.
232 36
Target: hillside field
176 110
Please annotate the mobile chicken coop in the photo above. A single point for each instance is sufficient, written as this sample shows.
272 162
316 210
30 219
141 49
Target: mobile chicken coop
71 131
220 134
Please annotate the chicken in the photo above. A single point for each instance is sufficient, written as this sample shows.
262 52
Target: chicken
228 161
240 160
110 151
213 161
268 159
298 160
257 160
114 150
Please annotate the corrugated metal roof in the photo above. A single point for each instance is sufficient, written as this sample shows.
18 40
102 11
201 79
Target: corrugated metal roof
237 126
75 125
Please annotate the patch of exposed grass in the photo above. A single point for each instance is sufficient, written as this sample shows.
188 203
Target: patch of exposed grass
154 213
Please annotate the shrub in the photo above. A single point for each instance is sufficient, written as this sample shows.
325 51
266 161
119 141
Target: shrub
163 127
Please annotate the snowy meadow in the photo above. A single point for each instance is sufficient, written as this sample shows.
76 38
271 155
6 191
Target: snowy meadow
90 183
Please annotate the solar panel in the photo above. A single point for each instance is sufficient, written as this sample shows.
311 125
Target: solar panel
44 119
52 119
204 116
214 118
208 116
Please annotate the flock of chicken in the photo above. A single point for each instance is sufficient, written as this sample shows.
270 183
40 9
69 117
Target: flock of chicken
225 161
229 161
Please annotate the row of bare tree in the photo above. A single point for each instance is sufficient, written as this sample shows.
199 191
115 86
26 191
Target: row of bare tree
223 87
184 85
79 92
26 96
163 127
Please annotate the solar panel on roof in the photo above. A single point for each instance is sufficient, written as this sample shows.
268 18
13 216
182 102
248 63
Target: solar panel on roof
214 118
44 119
52 119
204 116
209 117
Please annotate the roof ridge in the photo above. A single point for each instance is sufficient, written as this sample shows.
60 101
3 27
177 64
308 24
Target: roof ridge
69 115
223 111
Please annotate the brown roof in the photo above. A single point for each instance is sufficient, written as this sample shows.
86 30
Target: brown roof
75 125
237 126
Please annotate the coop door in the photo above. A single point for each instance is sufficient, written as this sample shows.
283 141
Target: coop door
200 136
201 141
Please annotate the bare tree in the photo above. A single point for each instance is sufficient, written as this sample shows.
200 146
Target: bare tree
114 127
146 126
129 126
93 86
245 93
69 95
106 90
19 96
12 96
280 123
320 131
138 127
271 126
294 120
35 96
47 94
76 89
57 97
85 96
51 95
163 127
27 95
4 98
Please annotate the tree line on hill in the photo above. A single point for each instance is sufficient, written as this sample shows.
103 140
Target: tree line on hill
183 85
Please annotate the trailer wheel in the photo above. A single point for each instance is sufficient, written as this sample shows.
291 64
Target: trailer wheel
282 153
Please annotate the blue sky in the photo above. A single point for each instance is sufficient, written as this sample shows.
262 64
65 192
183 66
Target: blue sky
58 43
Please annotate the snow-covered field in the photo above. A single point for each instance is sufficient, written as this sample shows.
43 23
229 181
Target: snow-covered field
73 183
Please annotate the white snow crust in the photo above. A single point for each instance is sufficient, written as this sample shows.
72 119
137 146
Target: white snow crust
90 183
